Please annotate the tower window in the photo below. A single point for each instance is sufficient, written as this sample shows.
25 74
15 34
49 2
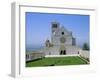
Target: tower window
62 33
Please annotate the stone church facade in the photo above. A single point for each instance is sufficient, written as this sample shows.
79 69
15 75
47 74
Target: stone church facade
62 41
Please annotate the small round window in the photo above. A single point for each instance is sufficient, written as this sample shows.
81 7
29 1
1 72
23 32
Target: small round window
62 33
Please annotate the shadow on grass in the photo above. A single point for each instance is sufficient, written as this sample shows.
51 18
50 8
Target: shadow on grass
54 64
50 65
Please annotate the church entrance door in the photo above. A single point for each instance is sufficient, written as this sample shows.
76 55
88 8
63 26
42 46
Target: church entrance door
63 52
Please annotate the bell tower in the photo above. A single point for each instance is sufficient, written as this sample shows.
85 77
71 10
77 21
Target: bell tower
54 31
54 26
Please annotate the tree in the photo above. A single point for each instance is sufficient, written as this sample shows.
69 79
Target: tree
85 46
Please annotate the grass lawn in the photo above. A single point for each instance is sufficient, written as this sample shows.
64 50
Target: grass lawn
56 61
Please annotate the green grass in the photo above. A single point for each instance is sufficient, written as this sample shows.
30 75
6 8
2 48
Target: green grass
56 61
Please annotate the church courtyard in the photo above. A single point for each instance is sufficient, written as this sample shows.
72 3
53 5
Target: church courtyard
56 61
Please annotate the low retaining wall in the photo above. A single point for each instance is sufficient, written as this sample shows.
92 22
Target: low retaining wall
33 56
84 53
36 55
62 55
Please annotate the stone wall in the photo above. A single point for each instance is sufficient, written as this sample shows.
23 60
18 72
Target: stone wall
34 55
55 50
85 54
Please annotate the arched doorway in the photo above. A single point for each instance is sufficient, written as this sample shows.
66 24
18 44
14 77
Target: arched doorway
62 50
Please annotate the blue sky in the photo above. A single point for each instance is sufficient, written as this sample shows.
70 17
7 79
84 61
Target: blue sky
38 27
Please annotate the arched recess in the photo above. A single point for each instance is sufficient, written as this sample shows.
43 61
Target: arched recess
62 50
